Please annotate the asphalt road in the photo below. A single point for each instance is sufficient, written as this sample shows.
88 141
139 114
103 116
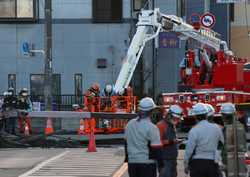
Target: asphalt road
73 162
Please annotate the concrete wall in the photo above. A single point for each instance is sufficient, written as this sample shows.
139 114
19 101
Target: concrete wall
77 43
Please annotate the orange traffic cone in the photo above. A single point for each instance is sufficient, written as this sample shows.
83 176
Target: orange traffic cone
92 145
81 128
49 128
26 129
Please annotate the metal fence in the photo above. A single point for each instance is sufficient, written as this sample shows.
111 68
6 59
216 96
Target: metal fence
60 102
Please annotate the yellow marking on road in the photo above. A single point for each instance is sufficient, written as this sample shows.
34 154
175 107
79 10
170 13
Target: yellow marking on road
121 170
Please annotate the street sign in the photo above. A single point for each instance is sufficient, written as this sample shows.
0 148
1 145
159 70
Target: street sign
230 1
207 20
169 40
26 48
195 21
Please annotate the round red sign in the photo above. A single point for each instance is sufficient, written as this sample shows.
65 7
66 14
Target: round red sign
208 20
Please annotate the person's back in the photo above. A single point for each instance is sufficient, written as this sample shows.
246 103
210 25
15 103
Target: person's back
142 142
139 135
207 136
202 145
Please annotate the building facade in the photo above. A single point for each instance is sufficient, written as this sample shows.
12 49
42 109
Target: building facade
240 30
90 40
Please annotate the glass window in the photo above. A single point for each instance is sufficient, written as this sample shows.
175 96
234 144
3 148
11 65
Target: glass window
37 84
15 10
12 81
7 8
107 11
78 84
25 9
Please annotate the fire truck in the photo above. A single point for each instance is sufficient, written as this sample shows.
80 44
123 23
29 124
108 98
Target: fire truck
209 74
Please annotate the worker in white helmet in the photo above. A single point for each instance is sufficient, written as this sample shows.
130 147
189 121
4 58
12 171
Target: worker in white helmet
167 128
143 144
203 140
232 130
227 111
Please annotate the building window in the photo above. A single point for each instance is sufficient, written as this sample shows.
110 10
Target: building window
12 82
37 84
231 9
107 11
17 10
139 4
78 84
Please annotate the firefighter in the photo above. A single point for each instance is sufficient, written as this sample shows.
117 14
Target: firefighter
142 142
167 128
24 105
202 144
9 109
106 101
91 103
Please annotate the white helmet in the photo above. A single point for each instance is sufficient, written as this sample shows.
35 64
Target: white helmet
108 88
146 104
199 109
211 110
227 108
121 92
176 111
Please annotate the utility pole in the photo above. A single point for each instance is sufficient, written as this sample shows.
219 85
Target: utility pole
206 5
48 55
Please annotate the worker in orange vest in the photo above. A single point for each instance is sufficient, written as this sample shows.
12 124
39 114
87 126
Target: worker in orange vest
91 103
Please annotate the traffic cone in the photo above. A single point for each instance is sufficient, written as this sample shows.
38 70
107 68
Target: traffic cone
92 145
81 128
49 128
26 129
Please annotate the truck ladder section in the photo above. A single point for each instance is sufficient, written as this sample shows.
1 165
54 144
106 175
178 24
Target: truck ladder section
150 24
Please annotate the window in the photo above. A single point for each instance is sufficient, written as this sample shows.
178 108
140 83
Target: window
78 84
231 11
12 82
17 10
107 11
37 84
138 4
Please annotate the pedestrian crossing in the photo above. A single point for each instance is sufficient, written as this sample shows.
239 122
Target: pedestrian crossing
79 163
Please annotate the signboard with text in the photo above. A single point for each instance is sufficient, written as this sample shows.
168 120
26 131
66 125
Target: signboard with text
169 40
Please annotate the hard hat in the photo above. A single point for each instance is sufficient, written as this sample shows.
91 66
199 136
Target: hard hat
227 108
23 92
121 92
146 104
211 110
109 88
96 86
199 109
5 93
176 111
75 106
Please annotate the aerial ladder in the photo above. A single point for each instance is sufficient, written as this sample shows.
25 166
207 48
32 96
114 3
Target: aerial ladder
150 24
